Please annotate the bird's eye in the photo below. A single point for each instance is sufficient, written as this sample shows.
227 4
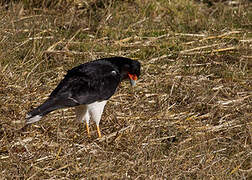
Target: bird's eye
113 72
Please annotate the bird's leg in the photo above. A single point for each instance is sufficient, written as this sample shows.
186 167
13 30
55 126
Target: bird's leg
83 115
88 132
98 130
87 117
95 109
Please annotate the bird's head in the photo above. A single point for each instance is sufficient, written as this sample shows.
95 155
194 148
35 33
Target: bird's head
133 72
128 68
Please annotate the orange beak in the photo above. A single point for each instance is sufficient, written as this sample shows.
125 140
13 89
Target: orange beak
133 79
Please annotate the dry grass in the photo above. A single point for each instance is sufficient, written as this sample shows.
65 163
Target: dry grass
189 116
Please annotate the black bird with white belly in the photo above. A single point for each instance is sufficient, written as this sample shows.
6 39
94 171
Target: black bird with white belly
87 87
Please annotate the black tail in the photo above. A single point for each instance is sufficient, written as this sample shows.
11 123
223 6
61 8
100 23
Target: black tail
48 106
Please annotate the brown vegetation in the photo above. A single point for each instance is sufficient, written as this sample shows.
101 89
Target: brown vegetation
188 117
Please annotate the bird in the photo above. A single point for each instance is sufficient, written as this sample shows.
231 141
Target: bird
87 88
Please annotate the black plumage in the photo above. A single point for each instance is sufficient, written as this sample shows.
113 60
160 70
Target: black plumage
86 84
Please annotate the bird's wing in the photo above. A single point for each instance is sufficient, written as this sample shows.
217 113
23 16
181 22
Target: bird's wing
88 83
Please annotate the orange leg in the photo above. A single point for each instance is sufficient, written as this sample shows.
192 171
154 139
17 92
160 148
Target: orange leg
88 132
98 130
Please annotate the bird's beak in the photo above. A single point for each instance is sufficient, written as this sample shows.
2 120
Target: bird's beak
133 79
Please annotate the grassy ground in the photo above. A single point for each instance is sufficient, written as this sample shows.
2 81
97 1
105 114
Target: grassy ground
188 118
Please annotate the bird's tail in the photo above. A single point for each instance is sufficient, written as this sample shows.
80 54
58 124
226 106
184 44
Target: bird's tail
48 106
